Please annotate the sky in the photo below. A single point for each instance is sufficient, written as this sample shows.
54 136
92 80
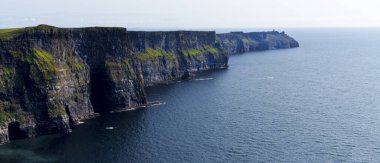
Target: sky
191 13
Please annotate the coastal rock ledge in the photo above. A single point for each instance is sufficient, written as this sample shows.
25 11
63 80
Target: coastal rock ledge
52 78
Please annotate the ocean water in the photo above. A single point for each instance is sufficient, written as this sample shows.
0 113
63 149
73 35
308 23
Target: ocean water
316 103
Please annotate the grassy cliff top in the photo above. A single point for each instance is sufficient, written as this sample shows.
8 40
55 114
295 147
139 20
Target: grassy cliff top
9 33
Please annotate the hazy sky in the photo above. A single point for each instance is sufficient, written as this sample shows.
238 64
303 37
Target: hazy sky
191 13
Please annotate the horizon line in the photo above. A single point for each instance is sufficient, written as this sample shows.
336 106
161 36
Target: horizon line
184 28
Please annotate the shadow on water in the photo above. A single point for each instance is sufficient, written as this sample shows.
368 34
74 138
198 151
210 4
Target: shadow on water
87 139
30 150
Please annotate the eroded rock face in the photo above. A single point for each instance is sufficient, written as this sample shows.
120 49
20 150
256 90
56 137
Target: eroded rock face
51 78
239 42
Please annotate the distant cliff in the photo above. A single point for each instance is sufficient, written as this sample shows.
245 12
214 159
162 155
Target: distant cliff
163 56
239 42
52 78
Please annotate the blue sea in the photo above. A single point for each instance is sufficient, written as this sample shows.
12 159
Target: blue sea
316 103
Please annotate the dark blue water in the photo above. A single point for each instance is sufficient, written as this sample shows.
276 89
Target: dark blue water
316 103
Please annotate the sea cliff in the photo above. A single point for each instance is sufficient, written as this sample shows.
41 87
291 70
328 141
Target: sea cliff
240 42
52 78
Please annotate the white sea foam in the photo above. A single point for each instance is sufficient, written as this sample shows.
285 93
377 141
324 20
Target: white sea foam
110 128
157 103
203 79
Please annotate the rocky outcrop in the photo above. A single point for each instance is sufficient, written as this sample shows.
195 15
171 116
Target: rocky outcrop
52 78
239 42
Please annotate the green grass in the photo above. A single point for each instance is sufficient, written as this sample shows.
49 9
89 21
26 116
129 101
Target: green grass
23 57
200 51
246 40
57 111
79 66
4 117
210 49
7 70
44 60
192 52
40 58
9 30
41 63
10 33
155 53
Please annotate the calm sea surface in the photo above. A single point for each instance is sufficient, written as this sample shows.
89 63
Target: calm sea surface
316 103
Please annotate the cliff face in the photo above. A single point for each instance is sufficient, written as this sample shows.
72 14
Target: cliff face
163 56
239 42
51 78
